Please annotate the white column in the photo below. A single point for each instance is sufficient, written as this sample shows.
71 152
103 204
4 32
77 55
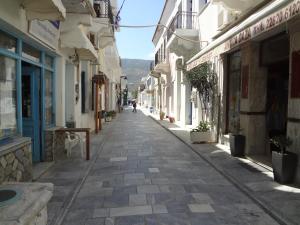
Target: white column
60 91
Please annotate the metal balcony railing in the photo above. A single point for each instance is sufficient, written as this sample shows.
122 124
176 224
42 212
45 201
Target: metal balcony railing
103 10
183 20
160 57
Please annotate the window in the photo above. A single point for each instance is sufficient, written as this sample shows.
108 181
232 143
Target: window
49 61
8 42
48 98
8 112
31 53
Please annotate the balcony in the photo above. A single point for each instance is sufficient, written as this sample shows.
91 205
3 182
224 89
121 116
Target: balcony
161 64
185 25
79 7
103 10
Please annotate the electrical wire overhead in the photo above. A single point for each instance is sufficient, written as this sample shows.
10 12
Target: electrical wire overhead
152 25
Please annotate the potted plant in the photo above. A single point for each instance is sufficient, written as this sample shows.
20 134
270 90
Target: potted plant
162 115
237 141
171 119
201 133
203 78
113 114
284 163
108 116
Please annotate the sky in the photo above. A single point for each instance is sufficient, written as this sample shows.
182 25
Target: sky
137 43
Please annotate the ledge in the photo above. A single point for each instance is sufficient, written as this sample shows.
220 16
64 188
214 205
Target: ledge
14 144
34 198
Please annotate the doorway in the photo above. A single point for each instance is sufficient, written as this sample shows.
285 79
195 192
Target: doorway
31 107
275 58
277 99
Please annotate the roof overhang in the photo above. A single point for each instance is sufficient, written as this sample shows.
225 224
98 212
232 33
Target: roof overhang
44 9
77 39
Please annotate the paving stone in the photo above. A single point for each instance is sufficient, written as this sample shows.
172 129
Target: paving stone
201 208
116 201
137 199
202 198
154 170
144 189
130 220
134 176
160 181
109 221
129 182
159 209
118 159
101 212
130 211
95 221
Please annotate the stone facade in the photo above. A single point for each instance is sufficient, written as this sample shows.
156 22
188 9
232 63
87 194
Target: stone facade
16 162
54 145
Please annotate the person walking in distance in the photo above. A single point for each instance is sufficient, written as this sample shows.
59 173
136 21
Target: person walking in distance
134 106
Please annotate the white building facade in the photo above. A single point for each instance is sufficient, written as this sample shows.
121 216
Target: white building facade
180 20
49 52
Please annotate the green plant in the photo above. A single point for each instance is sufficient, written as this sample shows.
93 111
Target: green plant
162 115
281 142
204 79
202 127
109 114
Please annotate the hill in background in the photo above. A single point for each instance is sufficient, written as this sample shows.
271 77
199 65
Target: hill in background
135 69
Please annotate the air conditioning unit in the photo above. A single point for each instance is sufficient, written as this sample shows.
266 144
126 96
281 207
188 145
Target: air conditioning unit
225 17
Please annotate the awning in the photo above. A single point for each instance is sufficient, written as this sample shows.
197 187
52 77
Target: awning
77 39
250 28
44 9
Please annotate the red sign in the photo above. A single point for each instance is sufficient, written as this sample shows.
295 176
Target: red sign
295 80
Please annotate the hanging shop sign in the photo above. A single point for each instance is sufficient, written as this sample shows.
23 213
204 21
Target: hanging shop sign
260 27
46 31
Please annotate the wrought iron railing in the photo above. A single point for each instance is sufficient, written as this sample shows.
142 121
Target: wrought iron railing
161 56
182 20
103 10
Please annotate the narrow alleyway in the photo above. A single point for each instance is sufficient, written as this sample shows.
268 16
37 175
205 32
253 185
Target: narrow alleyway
143 175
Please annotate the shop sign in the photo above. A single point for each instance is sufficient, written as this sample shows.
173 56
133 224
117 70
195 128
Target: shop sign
208 56
45 31
265 24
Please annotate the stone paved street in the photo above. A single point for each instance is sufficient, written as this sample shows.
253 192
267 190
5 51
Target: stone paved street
143 175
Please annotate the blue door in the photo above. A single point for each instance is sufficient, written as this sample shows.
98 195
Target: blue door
31 109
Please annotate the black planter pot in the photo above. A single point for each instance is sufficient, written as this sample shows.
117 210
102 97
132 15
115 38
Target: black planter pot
284 167
237 144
